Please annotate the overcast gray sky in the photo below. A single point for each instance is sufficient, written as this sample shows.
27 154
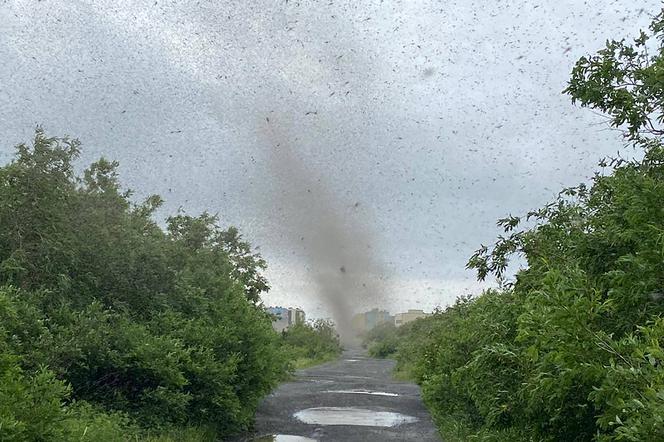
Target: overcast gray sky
423 121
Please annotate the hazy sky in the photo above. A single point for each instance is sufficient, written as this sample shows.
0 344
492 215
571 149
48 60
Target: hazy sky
421 121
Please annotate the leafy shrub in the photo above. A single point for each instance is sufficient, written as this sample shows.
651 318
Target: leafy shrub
381 341
112 326
309 343
31 407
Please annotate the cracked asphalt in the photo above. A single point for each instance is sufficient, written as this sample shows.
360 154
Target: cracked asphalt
324 386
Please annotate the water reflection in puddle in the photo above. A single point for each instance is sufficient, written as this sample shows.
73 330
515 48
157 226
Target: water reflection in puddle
282 438
352 416
375 393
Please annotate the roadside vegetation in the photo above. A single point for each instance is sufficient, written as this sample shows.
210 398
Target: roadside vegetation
382 340
572 350
113 328
311 343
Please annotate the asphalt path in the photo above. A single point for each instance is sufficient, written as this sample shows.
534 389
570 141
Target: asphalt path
354 398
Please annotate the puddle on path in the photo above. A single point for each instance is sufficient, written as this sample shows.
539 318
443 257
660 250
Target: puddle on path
282 438
352 416
351 360
375 393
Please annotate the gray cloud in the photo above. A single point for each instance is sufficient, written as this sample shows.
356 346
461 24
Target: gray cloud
436 117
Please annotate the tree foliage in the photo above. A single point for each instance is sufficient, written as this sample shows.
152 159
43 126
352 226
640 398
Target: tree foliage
110 324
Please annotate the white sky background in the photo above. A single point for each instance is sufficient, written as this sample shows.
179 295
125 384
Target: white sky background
427 120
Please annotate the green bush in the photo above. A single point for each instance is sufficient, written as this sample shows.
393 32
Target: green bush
112 326
311 343
381 341
31 406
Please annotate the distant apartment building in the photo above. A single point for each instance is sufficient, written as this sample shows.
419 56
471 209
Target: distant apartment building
285 317
409 316
363 322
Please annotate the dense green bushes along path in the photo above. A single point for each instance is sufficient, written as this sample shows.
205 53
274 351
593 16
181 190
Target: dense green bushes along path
112 328
573 350
308 344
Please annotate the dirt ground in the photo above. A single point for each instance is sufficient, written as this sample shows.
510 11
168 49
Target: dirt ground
365 385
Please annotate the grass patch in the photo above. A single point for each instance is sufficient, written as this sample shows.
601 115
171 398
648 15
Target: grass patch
186 434
456 429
